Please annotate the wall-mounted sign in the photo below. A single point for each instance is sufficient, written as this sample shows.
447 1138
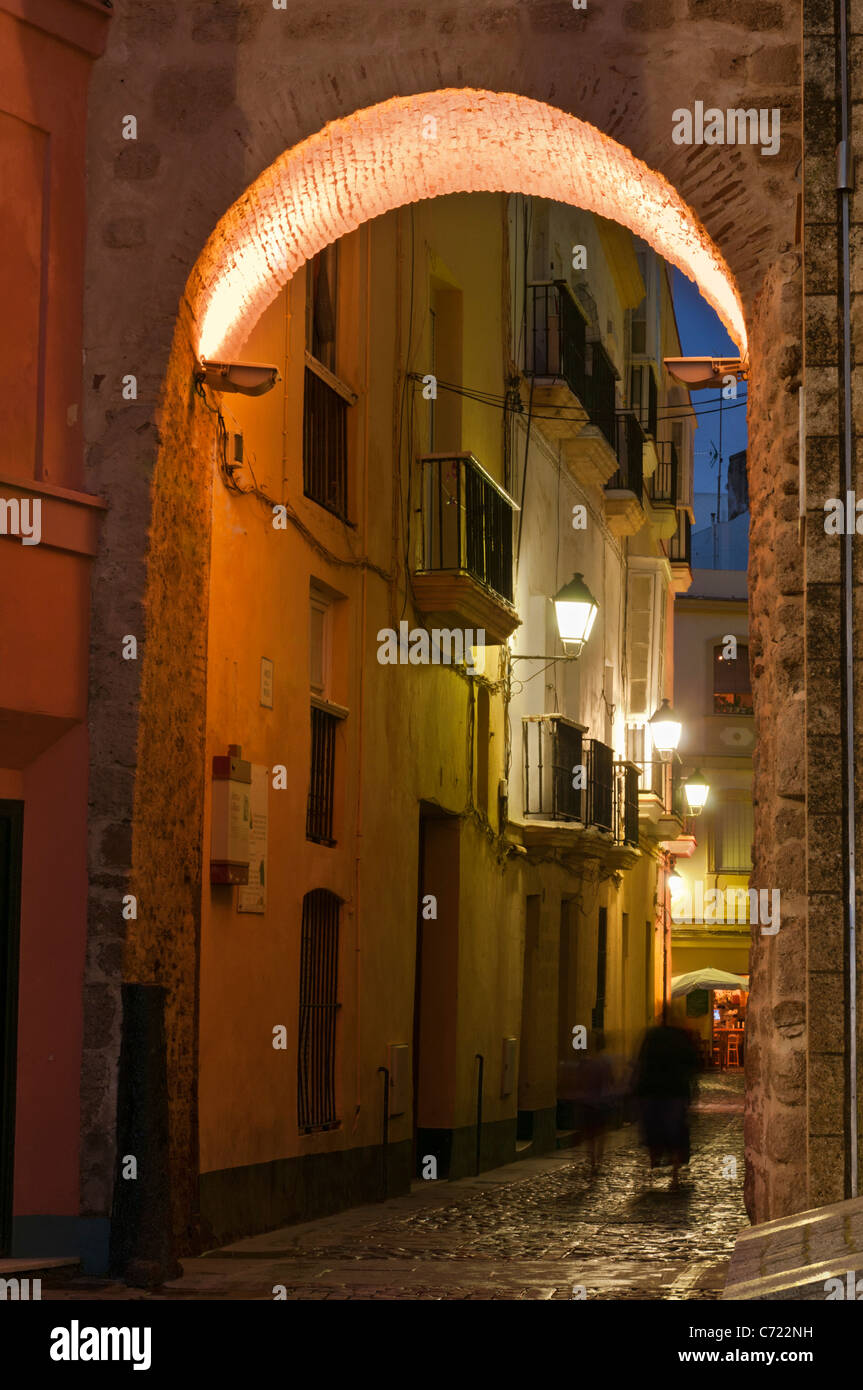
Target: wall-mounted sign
253 898
266 682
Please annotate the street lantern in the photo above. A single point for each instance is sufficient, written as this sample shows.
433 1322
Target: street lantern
576 610
675 884
665 729
696 789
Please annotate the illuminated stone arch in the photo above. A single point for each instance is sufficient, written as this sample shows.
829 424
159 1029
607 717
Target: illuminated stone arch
399 151
412 148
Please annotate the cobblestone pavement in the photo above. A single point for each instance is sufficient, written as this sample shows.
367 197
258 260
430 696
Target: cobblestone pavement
537 1229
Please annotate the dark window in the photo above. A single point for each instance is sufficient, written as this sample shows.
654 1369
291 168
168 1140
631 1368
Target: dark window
325 444
732 686
322 274
319 808
598 1020
316 1051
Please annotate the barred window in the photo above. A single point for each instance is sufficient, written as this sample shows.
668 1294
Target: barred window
316 1051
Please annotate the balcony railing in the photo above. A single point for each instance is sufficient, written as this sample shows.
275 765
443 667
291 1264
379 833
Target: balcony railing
680 544
662 487
600 784
553 751
630 453
467 522
325 444
556 336
647 409
626 803
601 391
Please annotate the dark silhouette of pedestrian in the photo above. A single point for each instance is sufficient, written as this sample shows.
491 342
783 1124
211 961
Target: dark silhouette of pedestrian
664 1074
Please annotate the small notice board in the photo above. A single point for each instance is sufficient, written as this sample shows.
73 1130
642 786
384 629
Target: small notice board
253 898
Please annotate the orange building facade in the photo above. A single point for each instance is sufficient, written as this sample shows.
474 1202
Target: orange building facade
48 535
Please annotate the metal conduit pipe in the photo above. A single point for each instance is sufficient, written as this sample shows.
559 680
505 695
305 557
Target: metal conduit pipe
844 182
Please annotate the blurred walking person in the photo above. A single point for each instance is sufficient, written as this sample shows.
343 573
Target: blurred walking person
666 1068
596 1093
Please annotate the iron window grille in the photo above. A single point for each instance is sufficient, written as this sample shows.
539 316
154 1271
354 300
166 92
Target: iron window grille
316 1048
467 522
600 784
630 455
325 444
626 803
662 486
322 777
553 748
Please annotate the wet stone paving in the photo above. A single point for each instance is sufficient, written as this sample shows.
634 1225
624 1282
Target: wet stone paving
538 1229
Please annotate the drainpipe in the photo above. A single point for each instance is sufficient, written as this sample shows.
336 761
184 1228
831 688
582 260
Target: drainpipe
844 182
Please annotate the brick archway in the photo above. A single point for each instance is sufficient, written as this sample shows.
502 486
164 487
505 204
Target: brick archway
212 127
411 148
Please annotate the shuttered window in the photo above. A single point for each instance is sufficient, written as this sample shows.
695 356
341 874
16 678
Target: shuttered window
731 839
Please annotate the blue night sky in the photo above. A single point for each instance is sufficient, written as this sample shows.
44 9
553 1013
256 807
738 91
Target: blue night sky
702 333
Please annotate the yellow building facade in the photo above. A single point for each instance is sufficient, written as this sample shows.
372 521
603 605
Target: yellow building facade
407 927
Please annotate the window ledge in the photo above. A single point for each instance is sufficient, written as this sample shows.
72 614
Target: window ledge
337 711
331 379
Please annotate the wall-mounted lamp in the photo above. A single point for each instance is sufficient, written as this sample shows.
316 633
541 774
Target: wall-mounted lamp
700 372
665 729
576 610
675 884
696 790
246 378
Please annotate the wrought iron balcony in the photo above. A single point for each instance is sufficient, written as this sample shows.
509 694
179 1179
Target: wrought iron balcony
626 803
601 391
630 452
467 546
600 784
556 346
662 486
680 544
644 396
625 488
553 750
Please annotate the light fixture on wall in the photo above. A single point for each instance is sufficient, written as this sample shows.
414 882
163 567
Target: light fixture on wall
576 610
665 730
245 378
700 372
696 789
675 884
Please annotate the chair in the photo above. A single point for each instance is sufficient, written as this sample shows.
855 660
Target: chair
734 1049
717 1053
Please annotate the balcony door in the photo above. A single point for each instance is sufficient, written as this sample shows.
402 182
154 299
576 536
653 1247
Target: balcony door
11 825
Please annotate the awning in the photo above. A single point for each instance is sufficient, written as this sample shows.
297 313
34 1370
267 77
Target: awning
708 978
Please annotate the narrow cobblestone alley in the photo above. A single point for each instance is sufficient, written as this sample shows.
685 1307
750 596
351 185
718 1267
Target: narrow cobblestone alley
538 1229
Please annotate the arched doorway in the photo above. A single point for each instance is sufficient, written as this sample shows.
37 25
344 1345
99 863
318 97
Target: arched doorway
241 269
